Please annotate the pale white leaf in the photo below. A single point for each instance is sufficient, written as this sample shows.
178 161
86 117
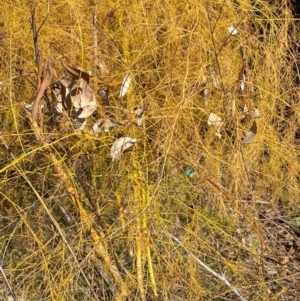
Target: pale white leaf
125 85
109 124
249 136
246 110
96 128
139 113
256 113
88 110
103 126
232 30
206 92
76 101
243 82
59 108
120 145
28 106
215 80
214 120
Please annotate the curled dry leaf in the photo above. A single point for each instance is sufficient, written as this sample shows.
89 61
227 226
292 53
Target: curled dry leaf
139 113
125 85
78 95
36 109
40 75
121 145
76 73
249 136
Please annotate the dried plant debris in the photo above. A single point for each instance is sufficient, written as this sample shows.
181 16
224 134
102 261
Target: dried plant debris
249 136
74 95
79 94
125 85
139 113
215 121
120 145
103 126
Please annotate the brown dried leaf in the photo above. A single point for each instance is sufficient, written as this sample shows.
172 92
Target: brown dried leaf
36 108
40 74
76 73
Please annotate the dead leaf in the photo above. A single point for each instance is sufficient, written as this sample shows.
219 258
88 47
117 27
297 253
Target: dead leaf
28 106
256 113
121 145
125 85
79 123
139 113
215 80
103 126
243 82
215 121
76 73
249 136
79 94
36 109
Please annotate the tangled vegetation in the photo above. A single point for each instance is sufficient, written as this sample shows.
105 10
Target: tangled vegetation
204 202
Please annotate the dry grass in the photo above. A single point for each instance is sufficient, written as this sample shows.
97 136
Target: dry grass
239 212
